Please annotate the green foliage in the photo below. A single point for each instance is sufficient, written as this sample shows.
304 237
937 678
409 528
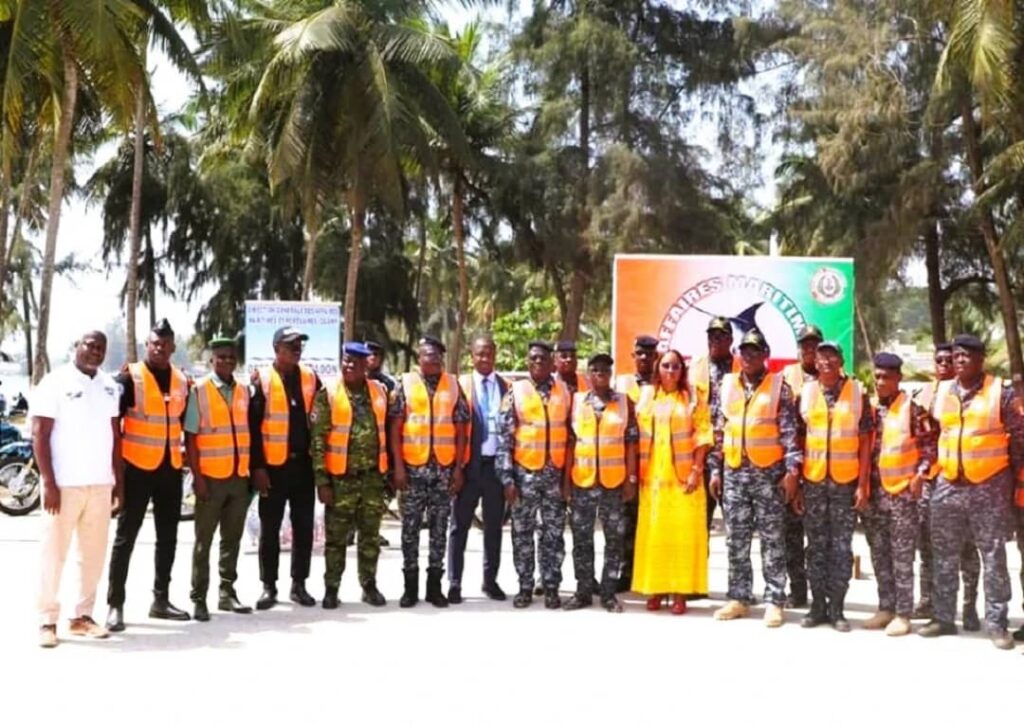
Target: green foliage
534 319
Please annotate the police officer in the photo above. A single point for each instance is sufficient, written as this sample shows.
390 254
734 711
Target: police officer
645 352
222 438
428 417
796 374
601 475
375 366
483 389
350 466
900 460
979 452
970 562
532 440
565 367
762 458
282 396
153 397
837 423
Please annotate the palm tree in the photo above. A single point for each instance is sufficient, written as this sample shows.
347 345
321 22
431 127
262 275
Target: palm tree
344 106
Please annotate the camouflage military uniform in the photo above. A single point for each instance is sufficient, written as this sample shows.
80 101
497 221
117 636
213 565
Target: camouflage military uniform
427 490
589 504
753 499
829 519
890 523
983 511
796 549
631 511
359 494
717 369
539 491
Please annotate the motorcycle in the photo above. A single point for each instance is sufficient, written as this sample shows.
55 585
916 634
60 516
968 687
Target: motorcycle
20 490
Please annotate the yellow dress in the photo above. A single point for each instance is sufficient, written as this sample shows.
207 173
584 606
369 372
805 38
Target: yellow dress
671 535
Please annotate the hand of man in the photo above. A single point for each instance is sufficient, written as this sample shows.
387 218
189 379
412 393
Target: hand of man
693 480
261 481
861 498
116 499
715 486
51 497
511 494
790 486
629 490
916 485
326 495
400 479
566 490
457 482
797 504
201 487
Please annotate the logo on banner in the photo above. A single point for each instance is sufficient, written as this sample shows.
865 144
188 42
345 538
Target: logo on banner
827 286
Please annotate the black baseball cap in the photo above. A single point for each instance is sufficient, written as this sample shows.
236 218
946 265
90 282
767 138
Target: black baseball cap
754 338
289 334
600 358
720 324
810 332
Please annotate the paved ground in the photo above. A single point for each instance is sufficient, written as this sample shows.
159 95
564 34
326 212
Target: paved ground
481 661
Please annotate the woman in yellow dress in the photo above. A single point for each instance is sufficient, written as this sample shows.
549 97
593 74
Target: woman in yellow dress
671 535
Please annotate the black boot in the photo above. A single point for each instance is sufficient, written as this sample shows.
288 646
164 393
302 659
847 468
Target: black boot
201 613
163 609
524 598
299 595
372 596
817 614
583 598
411 595
836 615
268 598
331 598
970 611
228 602
434 594
797 598
551 598
115 619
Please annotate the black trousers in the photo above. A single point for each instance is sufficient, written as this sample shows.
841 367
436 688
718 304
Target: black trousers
163 488
291 483
484 486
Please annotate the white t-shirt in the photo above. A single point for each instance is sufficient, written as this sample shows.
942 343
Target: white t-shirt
82 441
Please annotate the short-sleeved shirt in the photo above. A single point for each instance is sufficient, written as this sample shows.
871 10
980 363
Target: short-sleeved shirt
82 439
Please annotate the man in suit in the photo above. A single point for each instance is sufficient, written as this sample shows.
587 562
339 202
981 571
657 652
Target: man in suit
484 390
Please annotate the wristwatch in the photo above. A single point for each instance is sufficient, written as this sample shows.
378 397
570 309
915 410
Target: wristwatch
632 479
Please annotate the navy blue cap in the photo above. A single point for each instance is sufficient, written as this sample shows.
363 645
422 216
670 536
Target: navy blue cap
969 342
373 346
546 346
355 349
944 347
646 342
889 361
289 334
599 358
163 328
433 342
565 346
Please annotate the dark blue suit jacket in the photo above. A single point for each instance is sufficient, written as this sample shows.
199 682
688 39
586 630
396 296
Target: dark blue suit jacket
476 438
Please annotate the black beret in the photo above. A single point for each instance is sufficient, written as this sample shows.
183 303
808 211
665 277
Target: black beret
889 361
599 358
565 346
944 347
645 341
432 342
969 342
546 346
355 349
163 328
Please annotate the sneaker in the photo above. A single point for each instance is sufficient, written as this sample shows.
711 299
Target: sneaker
879 620
85 627
732 610
773 616
48 636
898 627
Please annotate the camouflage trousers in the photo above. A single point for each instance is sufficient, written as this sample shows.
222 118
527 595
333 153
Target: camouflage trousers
796 553
359 504
890 524
588 505
829 519
541 492
427 494
981 511
752 501
970 562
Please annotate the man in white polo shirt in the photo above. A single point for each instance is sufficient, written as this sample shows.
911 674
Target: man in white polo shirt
77 446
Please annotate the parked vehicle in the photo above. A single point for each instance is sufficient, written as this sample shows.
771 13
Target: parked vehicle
20 489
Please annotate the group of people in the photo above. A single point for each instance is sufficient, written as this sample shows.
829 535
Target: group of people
794 456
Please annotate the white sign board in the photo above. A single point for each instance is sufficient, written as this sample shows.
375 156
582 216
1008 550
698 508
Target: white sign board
320 320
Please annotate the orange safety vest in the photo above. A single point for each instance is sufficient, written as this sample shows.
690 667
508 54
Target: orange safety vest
833 440
752 426
429 423
336 457
153 424
972 440
796 377
582 385
925 398
223 436
629 385
542 430
275 411
898 455
468 388
600 452
676 412
699 375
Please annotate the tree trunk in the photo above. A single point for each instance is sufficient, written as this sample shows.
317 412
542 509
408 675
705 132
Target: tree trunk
151 278
581 262
131 295
26 313
5 197
936 303
868 348
357 203
459 233
993 245
311 231
23 203
61 147
574 306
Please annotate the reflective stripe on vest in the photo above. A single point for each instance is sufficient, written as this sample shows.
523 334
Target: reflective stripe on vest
600 452
336 455
898 455
973 440
833 442
223 437
629 386
429 423
751 427
153 424
542 430
673 411
275 411
582 386
699 375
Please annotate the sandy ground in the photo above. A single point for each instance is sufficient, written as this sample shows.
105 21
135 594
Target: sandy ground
481 661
